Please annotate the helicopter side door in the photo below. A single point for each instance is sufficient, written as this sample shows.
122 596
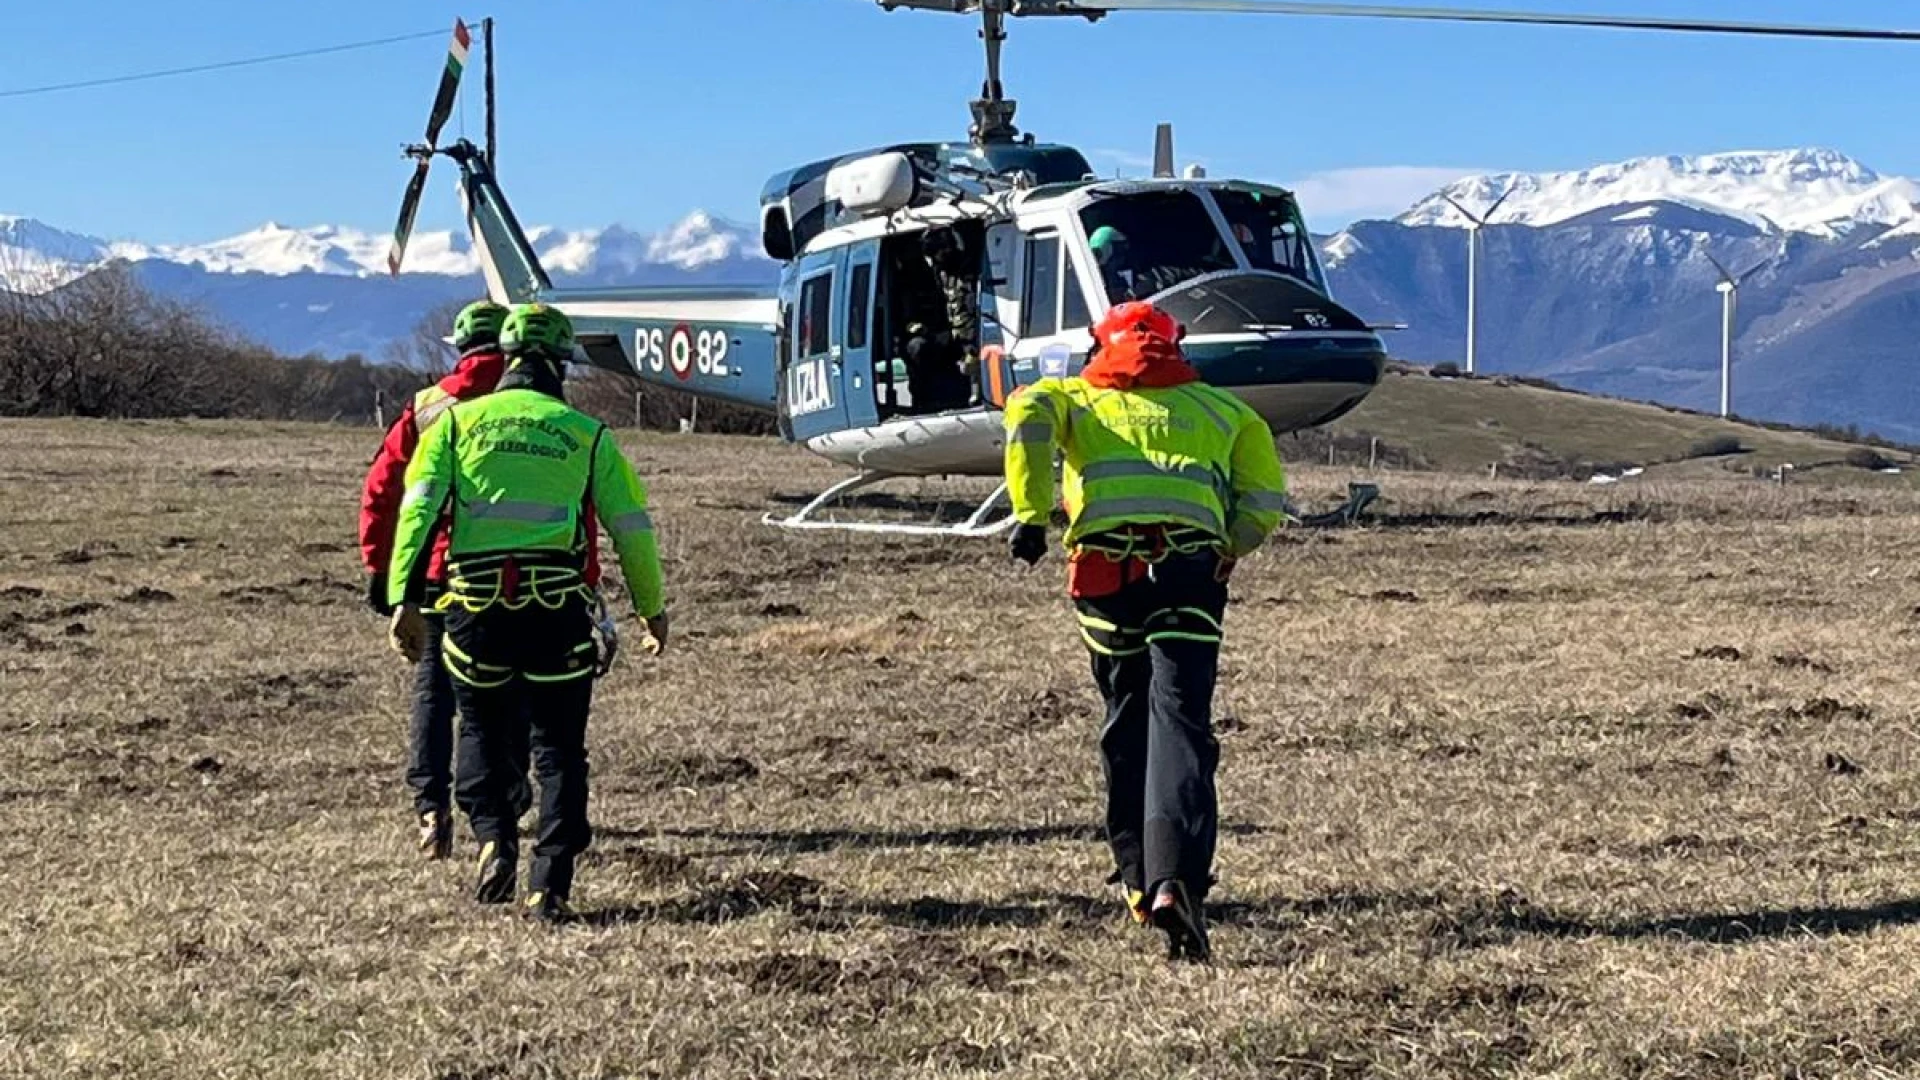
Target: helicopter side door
854 337
814 400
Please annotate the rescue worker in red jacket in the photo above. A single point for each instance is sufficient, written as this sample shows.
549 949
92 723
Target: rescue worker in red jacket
476 333
1168 481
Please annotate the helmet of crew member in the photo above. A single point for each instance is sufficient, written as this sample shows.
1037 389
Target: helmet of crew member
1108 243
477 326
541 331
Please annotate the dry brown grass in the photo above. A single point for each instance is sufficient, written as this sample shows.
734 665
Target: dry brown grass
1531 780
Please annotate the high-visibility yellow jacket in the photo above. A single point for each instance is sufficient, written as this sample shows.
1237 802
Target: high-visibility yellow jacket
1188 455
515 471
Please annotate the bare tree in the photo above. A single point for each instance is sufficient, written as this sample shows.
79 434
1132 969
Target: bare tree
422 351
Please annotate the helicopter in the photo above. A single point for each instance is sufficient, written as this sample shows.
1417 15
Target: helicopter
922 283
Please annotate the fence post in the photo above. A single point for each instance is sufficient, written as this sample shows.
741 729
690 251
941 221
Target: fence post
1373 452
379 408
638 420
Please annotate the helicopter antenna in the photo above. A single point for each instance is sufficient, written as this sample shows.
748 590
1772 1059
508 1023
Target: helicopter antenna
993 111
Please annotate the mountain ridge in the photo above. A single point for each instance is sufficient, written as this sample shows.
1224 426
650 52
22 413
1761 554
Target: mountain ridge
1601 279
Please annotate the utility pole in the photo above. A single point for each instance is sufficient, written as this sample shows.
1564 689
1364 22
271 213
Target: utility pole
486 38
1475 222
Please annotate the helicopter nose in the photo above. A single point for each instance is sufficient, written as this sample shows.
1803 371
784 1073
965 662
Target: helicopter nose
1293 379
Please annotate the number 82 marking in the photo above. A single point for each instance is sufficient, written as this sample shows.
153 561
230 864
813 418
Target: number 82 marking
710 348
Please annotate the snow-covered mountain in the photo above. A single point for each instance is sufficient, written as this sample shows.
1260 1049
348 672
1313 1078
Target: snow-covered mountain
35 256
1601 279
1819 192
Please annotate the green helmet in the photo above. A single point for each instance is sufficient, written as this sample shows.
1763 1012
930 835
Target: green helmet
477 324
1104 240
538 328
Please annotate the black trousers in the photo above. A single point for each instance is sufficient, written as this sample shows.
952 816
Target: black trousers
430 732
1155 644
524 680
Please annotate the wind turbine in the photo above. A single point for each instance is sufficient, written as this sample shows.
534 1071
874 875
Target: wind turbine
1728 287
1475 222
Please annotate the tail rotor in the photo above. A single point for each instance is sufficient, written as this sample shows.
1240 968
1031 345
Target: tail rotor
422 153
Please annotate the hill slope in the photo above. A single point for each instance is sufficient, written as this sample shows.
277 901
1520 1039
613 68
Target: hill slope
1469 425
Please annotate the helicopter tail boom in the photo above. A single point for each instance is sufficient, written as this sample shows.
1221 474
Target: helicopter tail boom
714 343
507 259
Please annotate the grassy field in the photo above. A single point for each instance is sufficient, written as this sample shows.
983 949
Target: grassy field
1520 780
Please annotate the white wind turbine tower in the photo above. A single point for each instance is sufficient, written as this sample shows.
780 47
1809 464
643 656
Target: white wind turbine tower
1475 222
1728 287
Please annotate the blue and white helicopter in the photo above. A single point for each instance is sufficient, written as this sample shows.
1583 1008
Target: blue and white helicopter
922 282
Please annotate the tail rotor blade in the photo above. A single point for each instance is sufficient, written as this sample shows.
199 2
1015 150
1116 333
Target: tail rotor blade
449 81
1163 152
409 206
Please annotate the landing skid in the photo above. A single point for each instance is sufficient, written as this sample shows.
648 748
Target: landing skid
980 523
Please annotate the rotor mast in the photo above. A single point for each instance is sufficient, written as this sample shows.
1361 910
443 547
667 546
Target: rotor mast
993 110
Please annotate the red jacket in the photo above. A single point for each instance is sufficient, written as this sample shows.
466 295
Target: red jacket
477 373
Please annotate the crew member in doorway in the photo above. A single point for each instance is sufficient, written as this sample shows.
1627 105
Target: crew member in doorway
518 473
958 268
1168 481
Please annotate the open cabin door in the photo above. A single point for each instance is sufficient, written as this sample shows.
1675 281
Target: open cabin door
856 339
814 400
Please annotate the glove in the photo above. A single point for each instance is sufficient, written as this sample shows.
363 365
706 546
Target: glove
407 633
655 641
377 594
1029 543
606 640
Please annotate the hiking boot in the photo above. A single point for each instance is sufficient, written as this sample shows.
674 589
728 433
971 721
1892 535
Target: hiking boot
497 868
1136 901
1178 914
547 907
436 834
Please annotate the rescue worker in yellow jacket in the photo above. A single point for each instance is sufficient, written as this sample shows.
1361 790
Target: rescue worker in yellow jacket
520 476
1168 481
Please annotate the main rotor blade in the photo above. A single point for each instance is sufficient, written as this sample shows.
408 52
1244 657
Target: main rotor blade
449 81
409 206
1441 14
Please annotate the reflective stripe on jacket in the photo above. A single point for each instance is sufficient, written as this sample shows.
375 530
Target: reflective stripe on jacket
477 373
520 471
1188 455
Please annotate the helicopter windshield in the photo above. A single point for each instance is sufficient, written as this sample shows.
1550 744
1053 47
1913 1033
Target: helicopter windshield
1146 242
1268 228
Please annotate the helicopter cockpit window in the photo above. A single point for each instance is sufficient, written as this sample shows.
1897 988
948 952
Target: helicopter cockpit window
1040 307
1148 242
1073 302
1269 229
816 315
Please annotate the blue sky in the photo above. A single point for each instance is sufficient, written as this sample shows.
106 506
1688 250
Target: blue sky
639 111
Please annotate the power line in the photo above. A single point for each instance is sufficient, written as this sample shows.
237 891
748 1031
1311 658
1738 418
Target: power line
219 66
